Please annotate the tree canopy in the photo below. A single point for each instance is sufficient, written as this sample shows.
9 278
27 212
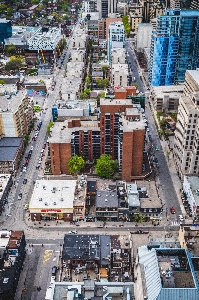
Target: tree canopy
49 127
14 64
106 166
10 49
127 26
76 164
139 218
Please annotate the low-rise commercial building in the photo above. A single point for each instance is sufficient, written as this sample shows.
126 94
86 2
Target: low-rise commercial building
106 206
53 200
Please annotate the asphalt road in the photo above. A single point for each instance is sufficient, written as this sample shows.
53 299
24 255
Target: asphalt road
165 184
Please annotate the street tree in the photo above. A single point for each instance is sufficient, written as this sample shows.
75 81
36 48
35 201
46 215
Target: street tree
49 127
106 166
105 71
76 164
139 218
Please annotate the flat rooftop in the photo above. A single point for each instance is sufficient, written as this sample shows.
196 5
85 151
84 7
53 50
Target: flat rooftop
120 68
70 84
11 105
9 147
21 35
60 133
175 270
114 102
81 247
128 125
118 51
173 91
106 199
53 194
132 194
152 201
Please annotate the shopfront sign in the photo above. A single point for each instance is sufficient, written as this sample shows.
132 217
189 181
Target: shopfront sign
51 210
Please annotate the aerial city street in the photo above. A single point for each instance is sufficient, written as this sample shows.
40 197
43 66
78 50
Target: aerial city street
99 150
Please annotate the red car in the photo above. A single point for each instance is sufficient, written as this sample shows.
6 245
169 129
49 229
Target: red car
172 210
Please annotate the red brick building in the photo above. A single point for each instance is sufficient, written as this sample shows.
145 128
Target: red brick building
123 92
120 133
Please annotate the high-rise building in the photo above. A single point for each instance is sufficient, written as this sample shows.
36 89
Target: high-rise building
174 46
116 37
186 142
106 6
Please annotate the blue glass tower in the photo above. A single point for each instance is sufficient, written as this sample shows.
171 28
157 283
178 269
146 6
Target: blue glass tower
174 47
5 29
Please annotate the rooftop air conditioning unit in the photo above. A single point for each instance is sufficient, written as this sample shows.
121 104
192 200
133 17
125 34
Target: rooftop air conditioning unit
40 199
54 203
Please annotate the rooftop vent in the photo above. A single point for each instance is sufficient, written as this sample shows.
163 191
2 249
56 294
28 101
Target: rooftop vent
62 199
46 203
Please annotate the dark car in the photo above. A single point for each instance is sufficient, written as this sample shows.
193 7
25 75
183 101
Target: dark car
24 181
54 270
156 160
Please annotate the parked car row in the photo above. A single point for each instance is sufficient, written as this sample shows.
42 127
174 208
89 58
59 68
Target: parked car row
37 131
41 156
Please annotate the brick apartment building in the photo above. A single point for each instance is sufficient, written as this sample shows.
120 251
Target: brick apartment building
120 133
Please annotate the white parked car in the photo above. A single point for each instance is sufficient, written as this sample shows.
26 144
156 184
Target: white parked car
147 129
31 148
181 218
72 231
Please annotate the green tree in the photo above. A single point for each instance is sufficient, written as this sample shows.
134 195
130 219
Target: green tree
139 218
2 81
76 164
105 70
102 94
127 26
88 81
49 127
14 64
106 166
99 83
10 49
105 83
83 96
